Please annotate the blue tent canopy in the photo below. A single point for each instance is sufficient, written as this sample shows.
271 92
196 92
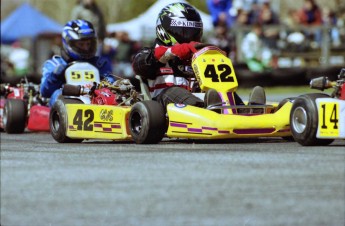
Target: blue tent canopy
26 21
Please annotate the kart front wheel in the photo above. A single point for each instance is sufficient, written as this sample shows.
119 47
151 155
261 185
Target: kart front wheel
147 122
304 120
58 121
14 116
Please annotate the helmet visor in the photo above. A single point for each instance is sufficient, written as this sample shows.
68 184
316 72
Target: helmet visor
86 48
184 31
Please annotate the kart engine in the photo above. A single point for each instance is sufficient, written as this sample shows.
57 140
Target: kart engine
125 92
322 83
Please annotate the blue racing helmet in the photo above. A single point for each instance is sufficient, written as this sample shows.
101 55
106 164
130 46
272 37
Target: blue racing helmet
75 32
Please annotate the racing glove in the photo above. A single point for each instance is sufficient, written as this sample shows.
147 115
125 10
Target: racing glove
184 51
108 77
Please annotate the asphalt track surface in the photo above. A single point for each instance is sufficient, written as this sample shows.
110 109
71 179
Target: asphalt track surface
244 182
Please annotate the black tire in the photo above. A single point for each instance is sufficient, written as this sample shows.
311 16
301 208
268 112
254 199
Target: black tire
288 139
212 98
284 101
147 122
15 116
58 121
304 120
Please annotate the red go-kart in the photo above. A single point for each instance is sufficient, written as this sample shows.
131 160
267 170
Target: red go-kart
22 107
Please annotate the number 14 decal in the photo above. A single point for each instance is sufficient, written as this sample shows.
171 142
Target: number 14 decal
329 117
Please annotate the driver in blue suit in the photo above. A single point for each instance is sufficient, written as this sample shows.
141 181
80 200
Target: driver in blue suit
79 44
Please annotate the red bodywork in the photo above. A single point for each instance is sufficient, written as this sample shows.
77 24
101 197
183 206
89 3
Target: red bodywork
38 117
104 96
342 94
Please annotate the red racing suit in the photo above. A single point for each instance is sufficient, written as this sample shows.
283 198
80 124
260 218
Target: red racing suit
165 66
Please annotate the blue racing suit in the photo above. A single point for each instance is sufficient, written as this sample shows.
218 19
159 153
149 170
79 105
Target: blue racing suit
53 77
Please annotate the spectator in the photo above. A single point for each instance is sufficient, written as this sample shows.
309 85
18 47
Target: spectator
89 10
242 18
253 12
329 19
257 56
108 52
341 24
221 39
292 19
293 37
310 13
110 45
19 58
55 48
124 53
220 12
111 40
266 15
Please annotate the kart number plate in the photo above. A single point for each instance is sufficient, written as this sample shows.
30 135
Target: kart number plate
78 76
82 73
331 118
214 70
94 121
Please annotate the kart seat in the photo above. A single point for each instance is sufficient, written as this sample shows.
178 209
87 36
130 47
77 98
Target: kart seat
257 97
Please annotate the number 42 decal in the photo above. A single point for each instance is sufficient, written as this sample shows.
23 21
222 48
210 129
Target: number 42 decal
210 72
84 124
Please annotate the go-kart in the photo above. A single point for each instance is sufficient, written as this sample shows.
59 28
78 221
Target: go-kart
149 122
22 107
317 118
101 113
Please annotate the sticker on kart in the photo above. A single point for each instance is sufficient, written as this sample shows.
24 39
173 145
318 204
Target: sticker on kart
94 121
216 71
82 73
331 118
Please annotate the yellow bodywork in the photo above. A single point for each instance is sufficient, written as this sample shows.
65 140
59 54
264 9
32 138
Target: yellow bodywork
97 122
214 70
193 122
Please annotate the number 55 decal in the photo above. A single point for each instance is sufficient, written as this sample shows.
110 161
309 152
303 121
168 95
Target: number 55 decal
84 119
85 75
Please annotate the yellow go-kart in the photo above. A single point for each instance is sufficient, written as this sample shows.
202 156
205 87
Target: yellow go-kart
93 110
149 122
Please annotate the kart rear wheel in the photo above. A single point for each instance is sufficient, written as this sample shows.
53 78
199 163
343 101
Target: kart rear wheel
14 117
147 122
304 120
58 121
